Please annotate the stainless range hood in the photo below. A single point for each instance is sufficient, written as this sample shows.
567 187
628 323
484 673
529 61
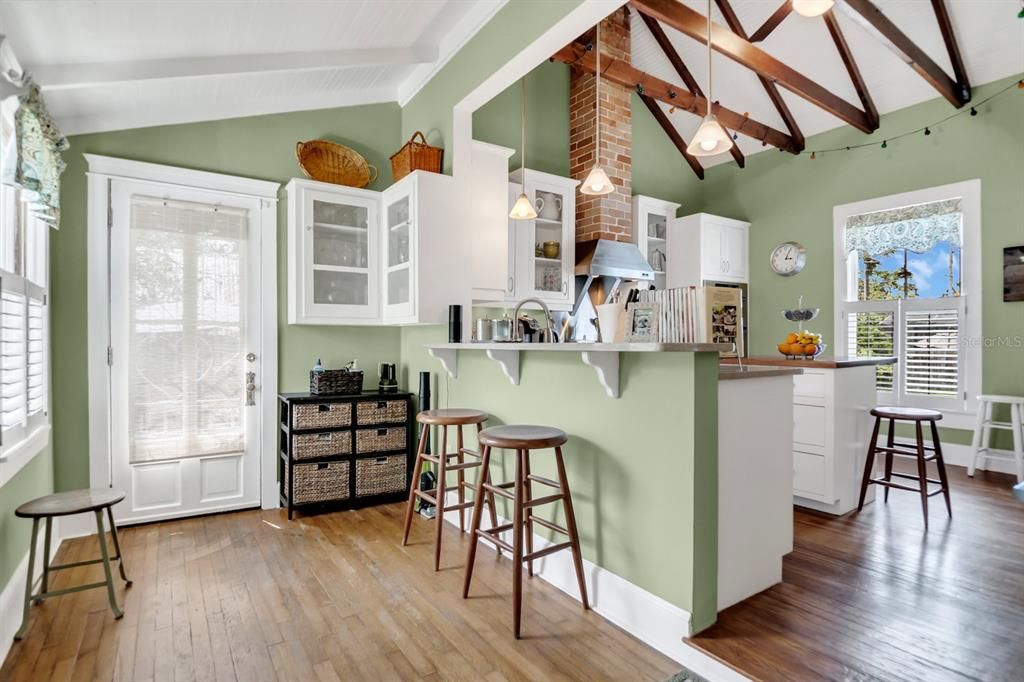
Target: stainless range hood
601 267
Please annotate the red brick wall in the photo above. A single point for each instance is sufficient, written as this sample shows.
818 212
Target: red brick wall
609 216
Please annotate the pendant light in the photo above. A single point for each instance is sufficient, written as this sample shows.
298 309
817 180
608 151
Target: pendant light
522 209
812 8
597 181
711 138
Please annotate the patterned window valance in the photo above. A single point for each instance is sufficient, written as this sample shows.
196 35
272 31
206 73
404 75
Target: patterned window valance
916 228
39 163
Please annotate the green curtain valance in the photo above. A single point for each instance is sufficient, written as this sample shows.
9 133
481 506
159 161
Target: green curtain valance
39 163
916 228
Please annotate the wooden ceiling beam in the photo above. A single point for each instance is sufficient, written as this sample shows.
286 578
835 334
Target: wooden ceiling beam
684 73
948 37
869 16
666 124
770 88
851 66
694 24
772 22
626 75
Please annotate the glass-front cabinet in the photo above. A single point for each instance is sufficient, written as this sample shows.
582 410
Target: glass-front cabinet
399 246
651 218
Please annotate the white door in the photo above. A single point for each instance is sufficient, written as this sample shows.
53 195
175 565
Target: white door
184 316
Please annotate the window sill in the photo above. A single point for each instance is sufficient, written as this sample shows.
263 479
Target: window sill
14 459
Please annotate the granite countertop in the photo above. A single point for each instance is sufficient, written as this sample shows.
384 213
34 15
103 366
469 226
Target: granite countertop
729 371
811 364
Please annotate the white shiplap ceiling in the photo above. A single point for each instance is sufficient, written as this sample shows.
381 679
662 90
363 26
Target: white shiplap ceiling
990 36
115 64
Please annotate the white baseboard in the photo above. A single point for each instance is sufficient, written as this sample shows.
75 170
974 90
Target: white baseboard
644 615
12 598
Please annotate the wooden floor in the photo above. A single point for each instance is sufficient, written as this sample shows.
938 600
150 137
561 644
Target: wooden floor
251 597
875 597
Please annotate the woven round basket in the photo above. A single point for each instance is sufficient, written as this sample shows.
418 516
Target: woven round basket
328 161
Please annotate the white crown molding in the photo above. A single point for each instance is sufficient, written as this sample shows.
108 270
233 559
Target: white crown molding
110 166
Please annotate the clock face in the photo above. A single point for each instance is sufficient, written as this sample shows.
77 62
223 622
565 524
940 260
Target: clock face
788 258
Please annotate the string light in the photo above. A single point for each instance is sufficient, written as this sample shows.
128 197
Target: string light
927 130
974 112
885 143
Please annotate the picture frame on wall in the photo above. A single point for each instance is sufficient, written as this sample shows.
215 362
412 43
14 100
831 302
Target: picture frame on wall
1013 274
642 322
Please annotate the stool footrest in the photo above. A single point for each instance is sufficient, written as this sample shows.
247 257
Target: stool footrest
460 467
548 499
471 452
544 481
912 446
547 550
500 489
547 524
898 486
905 453
58 567
428 495
457 507
911 477
491 534
68 590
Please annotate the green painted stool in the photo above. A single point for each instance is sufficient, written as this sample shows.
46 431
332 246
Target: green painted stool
66 504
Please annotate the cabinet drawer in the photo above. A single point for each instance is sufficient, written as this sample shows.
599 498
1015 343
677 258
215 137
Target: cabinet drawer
325 444
809 474
809 424
380 475
319 482
380 440
809 384
321 415
382 412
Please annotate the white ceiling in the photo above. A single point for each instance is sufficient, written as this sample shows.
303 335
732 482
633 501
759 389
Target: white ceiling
115 64
990 36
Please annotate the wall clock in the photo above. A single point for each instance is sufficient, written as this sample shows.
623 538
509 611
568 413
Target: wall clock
788 258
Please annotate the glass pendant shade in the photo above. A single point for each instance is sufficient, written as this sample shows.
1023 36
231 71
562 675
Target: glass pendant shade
710 139
522 209
597 182
812 8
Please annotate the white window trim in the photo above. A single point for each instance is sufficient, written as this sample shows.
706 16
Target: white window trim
970 263
103 169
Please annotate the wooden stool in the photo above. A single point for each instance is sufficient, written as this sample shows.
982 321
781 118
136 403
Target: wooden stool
523 439
66 504
980 449
892 448
458 418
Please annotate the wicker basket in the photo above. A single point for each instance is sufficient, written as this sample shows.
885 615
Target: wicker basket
328 161
380 475
380 440
319 482
336 382
321 415
381 412
415 156
326 444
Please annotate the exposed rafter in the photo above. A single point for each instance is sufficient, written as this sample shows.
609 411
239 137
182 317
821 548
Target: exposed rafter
663 120
625 74
694 24
772 22
865 12
851 66
948 37
684 73
770 88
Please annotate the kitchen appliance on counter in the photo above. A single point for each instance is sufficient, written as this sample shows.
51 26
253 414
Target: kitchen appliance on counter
388 378
602 266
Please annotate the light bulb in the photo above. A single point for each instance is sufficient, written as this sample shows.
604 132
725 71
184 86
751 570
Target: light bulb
812 8
597 182
522 209
708 145
710 138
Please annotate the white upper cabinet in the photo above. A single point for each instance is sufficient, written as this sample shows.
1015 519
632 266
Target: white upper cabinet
492 262
651 218
704 247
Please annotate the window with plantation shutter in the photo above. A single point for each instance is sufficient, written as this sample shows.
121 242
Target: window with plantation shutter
14 371
932 352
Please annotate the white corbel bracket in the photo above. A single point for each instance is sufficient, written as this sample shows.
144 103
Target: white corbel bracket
607 366
508 360
449 358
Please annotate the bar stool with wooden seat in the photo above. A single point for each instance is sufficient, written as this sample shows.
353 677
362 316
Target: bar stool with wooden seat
919 452
457 417
981 450
523 439
96 500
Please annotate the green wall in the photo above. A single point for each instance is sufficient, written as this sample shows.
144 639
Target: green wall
34 480
259 147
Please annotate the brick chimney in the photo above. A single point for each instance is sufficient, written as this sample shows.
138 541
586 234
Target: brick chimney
609 216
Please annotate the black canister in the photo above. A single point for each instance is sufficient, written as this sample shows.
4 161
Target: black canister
455 323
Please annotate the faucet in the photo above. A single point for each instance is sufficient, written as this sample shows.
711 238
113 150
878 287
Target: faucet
517 332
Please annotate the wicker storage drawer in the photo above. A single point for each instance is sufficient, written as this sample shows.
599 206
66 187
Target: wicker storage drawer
326 444
381 412
380 440
321 415
380 475
319 482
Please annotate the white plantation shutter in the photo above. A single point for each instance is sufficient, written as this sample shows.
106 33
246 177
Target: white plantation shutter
13 358
36 357
932 352
871 335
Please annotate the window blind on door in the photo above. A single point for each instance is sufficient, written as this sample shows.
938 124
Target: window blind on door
932 352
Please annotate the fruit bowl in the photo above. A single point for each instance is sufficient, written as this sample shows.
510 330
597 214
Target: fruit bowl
803 356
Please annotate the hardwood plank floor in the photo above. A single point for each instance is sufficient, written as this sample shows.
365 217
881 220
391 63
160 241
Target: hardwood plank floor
872 596
251 597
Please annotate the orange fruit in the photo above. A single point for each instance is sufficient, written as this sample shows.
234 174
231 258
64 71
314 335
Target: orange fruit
810 349
792 338
783 348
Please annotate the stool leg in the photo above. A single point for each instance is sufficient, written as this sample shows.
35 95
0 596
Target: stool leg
28 580
922 473
528 514
417 470
570 525
940 463
1018 436
102 537
517 546
46 559
442 475
462 480
474 523
485 477
869 463
117 547
890 442
979 425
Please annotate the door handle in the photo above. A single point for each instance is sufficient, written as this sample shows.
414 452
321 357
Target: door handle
250 389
